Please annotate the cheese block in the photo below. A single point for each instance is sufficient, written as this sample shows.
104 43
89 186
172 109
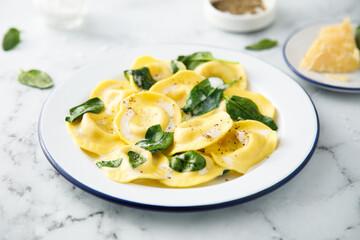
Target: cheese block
341 35
338 77
334 51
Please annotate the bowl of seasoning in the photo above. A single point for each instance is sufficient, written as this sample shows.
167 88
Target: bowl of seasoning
240 15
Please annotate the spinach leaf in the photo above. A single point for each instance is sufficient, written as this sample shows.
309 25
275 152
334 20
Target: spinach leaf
193 60
35 78
187 162
155 139
262 45
135 159
225 172
111 164
357 37
240 108
94 105
184 118
142 77
11 39
205 96
176 66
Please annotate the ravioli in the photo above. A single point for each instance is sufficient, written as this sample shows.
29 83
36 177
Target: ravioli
188 179
142 110
226 71
159 70
95 133
111 92
125 173
109 136
178 86
264 105
200 132
247 143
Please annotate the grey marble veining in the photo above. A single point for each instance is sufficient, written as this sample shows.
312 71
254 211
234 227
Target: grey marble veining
322 202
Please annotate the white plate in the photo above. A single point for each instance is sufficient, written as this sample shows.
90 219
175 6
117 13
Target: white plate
295 49
297 121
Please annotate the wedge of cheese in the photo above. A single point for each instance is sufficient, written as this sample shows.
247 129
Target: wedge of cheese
341 35
334 51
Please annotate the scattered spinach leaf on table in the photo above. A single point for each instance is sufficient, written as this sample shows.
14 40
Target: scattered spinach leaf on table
35 78
11 39
262 45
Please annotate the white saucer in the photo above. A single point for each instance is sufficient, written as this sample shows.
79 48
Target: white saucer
294 50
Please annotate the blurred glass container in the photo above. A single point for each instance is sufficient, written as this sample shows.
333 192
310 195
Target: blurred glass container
62 14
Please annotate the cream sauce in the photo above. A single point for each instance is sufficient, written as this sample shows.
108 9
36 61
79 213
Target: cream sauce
125 130
169 109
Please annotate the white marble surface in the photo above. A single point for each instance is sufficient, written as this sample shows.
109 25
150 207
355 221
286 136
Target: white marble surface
322 202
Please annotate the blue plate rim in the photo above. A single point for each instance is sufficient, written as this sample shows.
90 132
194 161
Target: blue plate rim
162 208
328 86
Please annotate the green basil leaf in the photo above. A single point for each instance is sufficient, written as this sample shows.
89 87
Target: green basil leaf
187 162
184 118
111 164
262 45
155 139
205 96
193 60
225 172
94 105
142 77
35 78
176 66
240 108
11 39
357 37
135 159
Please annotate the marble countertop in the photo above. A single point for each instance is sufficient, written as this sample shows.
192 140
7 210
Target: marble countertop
322 202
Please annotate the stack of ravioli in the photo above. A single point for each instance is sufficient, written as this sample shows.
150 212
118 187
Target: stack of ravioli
222 142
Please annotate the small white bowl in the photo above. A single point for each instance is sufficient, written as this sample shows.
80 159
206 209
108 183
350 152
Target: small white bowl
240 22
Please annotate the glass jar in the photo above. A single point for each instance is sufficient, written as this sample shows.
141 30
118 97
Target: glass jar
62 14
